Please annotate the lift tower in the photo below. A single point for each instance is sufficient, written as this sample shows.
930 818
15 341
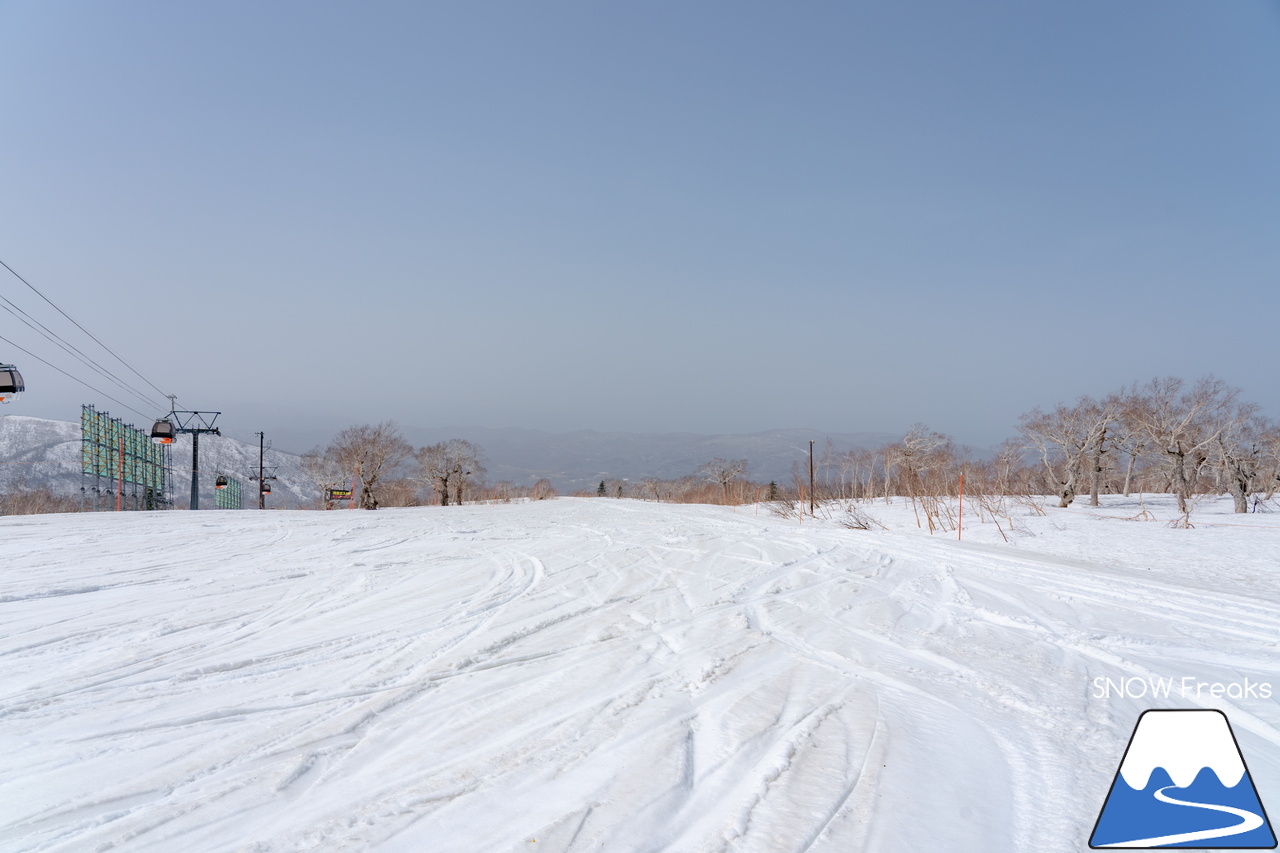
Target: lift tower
195 424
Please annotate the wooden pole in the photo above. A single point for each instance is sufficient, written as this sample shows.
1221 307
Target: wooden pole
960 526
811 477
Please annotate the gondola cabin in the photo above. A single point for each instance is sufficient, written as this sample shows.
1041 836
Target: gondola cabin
266 488
220 483
162 432
10 383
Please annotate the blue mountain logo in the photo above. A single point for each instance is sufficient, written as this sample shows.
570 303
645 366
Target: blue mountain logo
1183 783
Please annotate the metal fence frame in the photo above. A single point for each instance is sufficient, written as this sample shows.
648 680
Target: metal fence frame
229 497
120 467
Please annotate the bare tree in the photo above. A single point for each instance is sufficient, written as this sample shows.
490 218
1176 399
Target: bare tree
1270 467
887 457
922 450
1128 435
323 470
1101 417
1070 439
857 470
924 459
1009 461
826 467
450 464
651 487
436 468
542 490
373 450
1185 424
724 472
1241 454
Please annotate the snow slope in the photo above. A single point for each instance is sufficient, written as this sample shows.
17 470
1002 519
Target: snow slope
598 674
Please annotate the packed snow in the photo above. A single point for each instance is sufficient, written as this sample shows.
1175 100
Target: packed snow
600 674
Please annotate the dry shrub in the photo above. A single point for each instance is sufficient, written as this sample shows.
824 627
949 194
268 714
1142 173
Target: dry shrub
22 498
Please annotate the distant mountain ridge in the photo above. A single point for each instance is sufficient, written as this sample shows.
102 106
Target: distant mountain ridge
47 453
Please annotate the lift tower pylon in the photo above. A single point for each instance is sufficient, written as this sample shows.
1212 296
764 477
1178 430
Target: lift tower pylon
195 424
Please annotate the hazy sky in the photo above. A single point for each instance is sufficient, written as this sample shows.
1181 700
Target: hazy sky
707 216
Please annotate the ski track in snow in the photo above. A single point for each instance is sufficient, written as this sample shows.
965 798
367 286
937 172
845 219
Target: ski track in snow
596 675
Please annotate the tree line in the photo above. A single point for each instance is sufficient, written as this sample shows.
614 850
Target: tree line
1166 436
1179 438
386 470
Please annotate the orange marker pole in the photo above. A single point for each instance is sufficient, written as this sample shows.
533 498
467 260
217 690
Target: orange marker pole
120 477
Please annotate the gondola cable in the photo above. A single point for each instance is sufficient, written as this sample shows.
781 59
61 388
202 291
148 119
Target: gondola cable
73 321
71 349
69 376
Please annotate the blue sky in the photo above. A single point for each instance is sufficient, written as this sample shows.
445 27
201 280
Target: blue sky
709 217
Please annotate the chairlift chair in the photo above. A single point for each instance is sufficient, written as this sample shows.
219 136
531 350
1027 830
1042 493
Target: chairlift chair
162 431
10 383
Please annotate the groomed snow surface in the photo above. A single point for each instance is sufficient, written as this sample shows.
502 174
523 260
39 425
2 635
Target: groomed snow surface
599 674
